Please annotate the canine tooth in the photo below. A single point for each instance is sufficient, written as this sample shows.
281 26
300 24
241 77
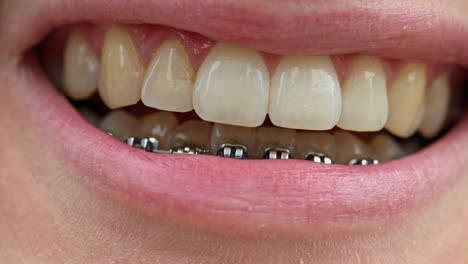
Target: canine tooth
168 83
119 123
232 151
349 147
233 135
386 148
158 125
437 107
305 93
406 100
192 134
364 95
81 68
309 142
121 72
232 87
272 138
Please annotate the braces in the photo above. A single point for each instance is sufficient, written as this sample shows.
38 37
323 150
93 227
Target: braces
235 151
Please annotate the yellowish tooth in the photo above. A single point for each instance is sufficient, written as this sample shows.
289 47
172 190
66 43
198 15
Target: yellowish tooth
168 83
272 137
406 100
158 125
192 133
305 93
437 107
316 142
386 148
81 68
349 147
232 87
120 124
227 134
364 95
122 71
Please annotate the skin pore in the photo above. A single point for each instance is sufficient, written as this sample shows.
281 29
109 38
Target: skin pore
51 214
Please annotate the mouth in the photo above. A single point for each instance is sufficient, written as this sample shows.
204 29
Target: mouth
213 119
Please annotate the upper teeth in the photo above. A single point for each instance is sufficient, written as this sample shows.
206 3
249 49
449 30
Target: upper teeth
233 86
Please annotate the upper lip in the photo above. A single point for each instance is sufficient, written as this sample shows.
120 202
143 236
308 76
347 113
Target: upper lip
404 30
264 193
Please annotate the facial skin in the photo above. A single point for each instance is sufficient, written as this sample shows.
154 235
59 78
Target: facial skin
49 214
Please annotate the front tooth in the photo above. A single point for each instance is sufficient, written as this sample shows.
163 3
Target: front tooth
235 135
168 83
386 148
192 133
406 100
122 71
158 125
349 147
305 93
315 142
81 68
273 137
232 87
365 103
436 107
120 124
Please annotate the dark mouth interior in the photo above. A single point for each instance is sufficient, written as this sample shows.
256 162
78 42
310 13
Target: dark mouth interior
94 111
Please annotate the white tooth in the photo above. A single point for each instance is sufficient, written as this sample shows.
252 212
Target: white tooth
437 107
365 104
168 83
81 68
192 133
158 125
386 148
305 94
406 100
273 137
232 87
121 72
120 124
227 134
349 147
316 142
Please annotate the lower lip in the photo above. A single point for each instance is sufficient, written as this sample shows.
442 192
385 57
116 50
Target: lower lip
217 193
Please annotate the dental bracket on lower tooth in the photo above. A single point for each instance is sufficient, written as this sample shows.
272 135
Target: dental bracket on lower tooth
277 153
363 162
318 158
232 151
191 151
147 144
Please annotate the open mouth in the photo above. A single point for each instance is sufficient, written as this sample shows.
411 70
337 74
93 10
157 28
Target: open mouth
192 126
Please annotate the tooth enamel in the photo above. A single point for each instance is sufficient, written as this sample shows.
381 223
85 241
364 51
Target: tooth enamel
315 142
227 134
168 83
81 68
305 94
158 125
386 148
364 95
232 87
122 71
119 123
192 133
349 147
436 107
272 137
406 100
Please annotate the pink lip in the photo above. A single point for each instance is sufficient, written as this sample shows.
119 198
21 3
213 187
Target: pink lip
216 192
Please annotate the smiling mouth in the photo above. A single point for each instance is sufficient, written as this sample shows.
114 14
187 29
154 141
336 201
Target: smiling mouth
221 133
